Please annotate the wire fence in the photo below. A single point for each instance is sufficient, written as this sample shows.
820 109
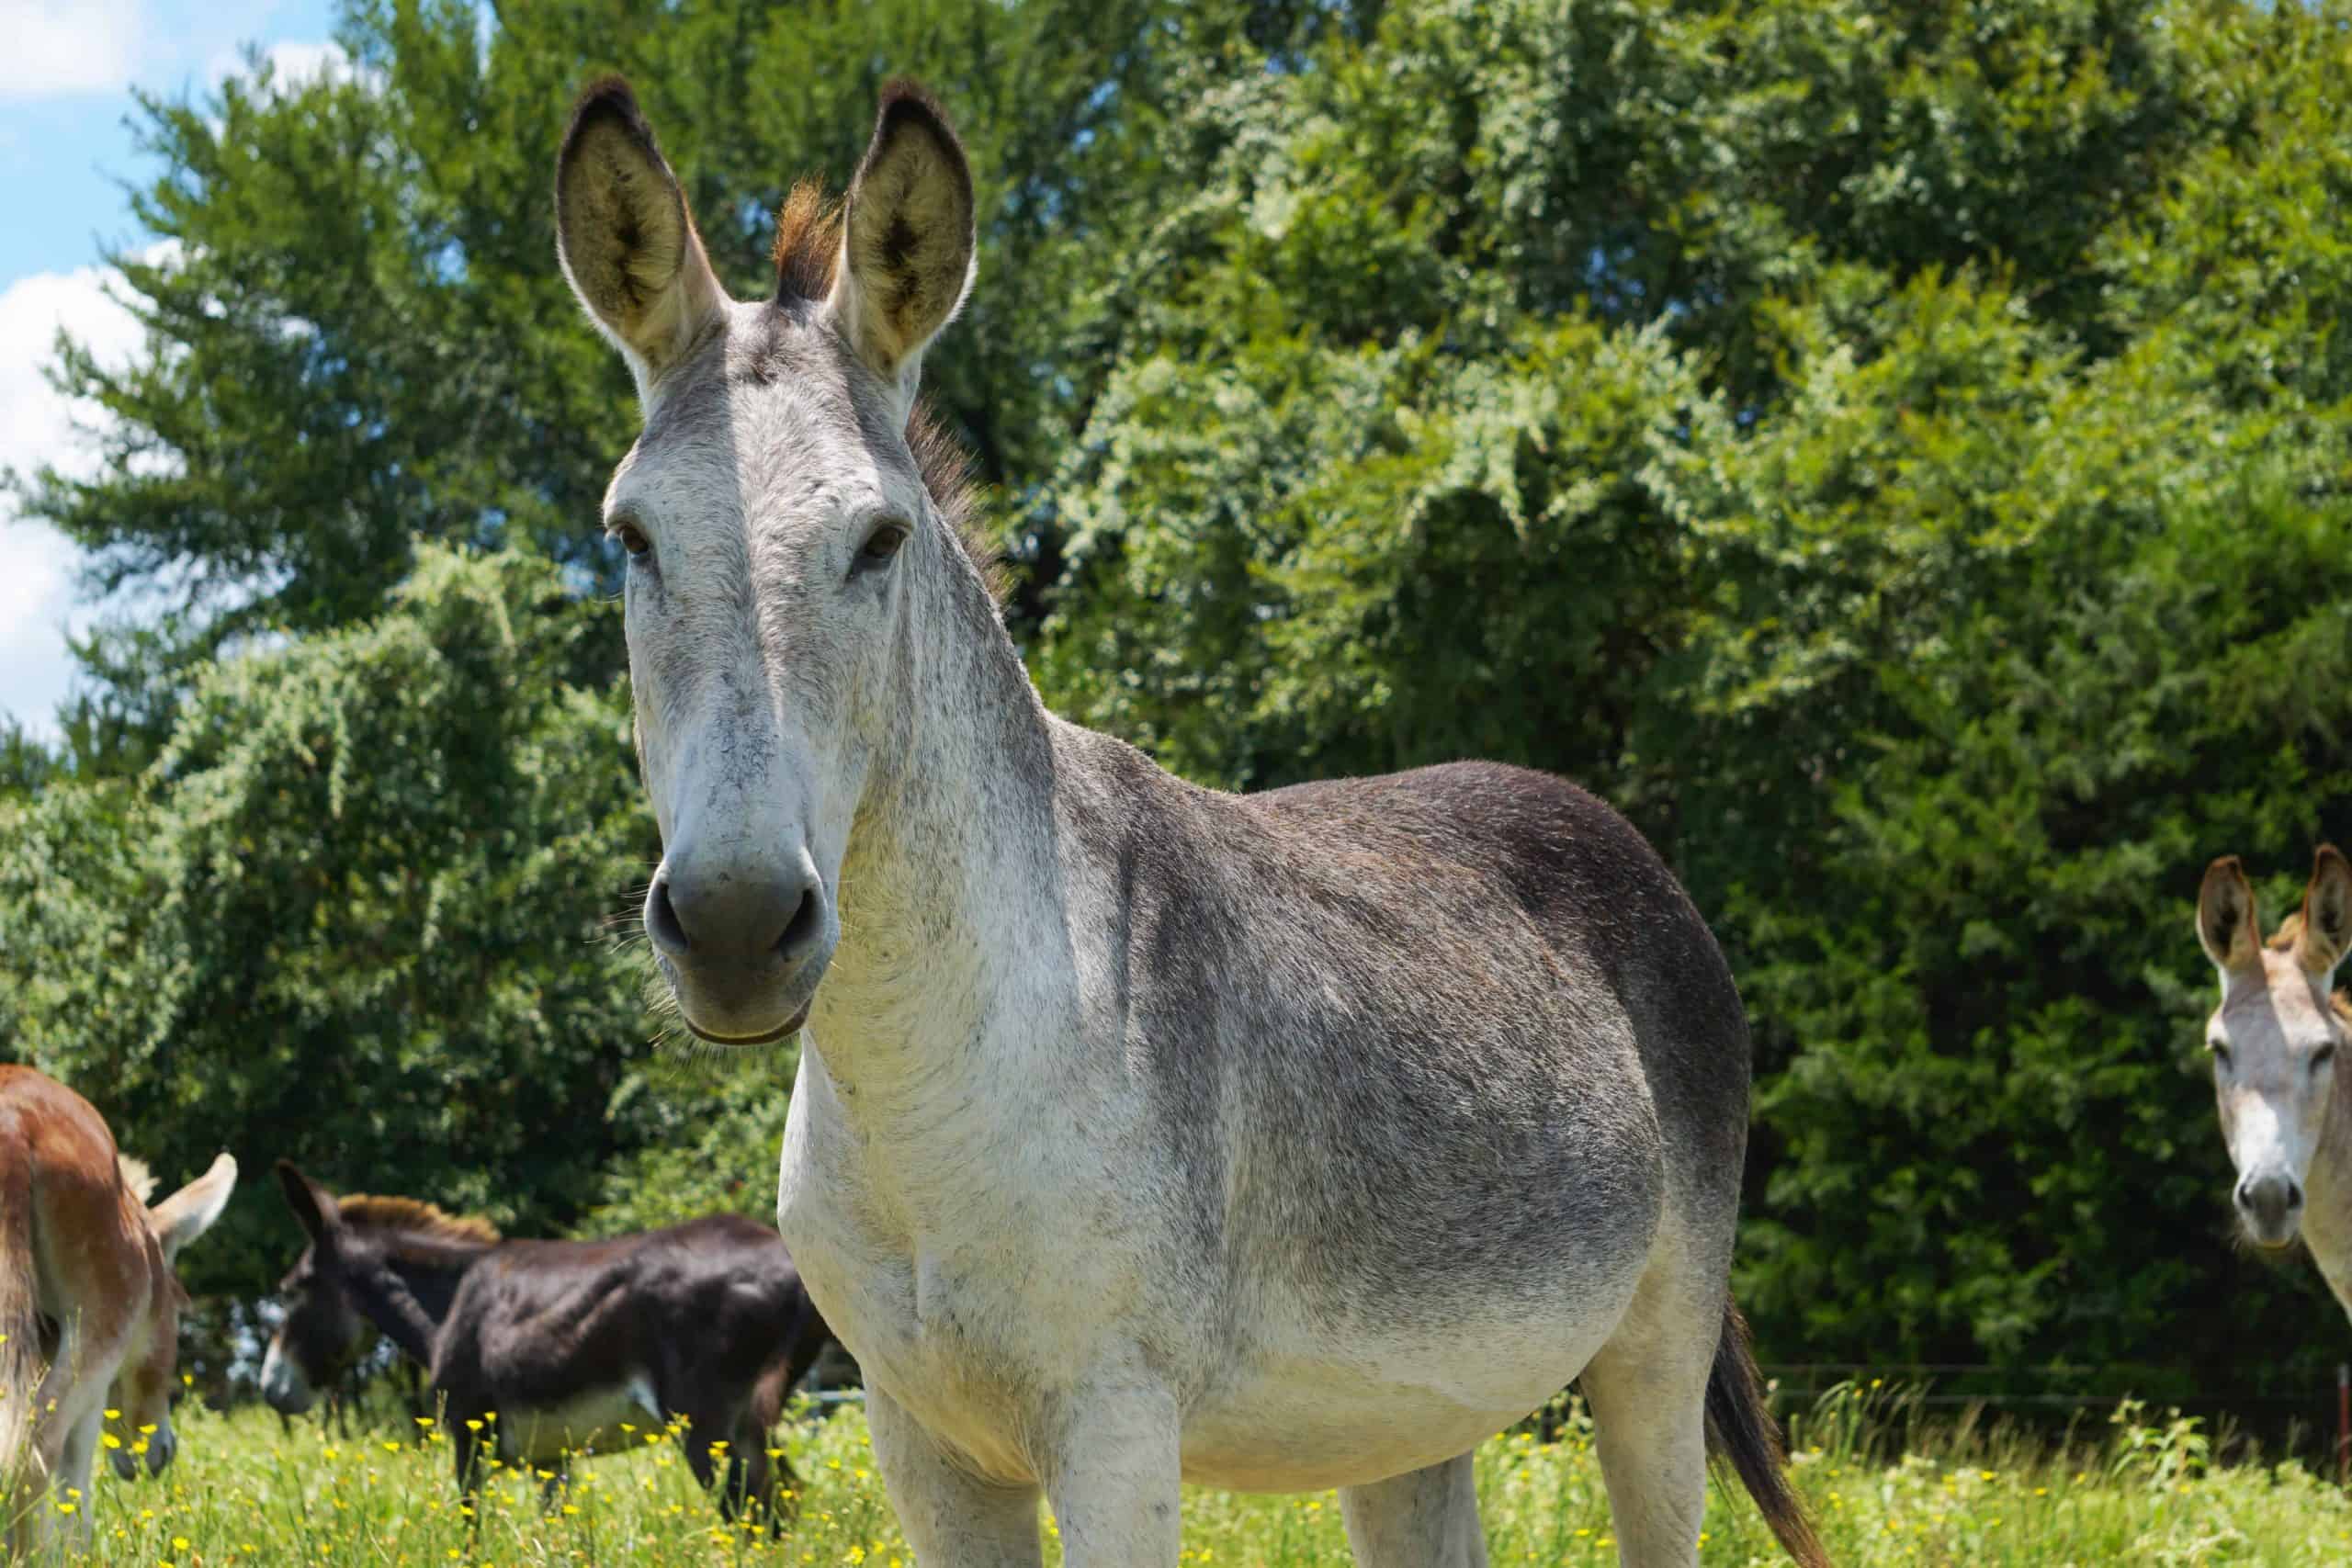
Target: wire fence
2314 1422
1799 1383
1956 1384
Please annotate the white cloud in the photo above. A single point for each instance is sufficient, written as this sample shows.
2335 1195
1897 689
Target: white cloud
299 61
38 426
91 46
293 62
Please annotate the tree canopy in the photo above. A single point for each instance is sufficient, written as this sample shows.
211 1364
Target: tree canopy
1901 453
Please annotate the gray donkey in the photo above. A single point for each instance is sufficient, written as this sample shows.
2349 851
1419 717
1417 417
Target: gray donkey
1143 1135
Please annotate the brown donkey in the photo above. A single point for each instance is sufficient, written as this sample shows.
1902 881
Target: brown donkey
89 1307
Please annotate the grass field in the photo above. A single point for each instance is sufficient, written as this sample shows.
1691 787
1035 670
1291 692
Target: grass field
1886 1487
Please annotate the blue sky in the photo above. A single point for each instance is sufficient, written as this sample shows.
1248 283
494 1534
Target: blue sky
66 73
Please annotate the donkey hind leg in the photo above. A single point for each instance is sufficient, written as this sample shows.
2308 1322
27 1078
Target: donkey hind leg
69 1410
736 1482
1423 1518
77 1460
470 1432
1647 1389
757 1485
951 1517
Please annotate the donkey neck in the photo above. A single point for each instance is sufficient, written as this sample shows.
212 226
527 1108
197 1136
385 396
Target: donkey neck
407 1293
949 864
2327 1213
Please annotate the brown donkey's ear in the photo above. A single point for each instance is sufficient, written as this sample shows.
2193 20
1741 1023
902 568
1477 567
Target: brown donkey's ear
190 1213
625 238
314 1207
908 242
2225 923
2327 914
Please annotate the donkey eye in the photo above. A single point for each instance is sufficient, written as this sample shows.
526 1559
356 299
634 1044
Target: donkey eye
2323 1057
2221 1051
632 537
882 544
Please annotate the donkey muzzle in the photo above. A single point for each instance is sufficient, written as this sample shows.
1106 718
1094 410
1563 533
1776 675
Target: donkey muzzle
2270 1206
743 943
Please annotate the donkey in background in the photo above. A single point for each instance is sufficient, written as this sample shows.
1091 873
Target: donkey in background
89 1306
2277 1038
564 1340
1143 1135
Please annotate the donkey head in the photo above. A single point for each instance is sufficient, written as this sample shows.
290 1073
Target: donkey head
783 546
319 1336
2276 1035
140 1399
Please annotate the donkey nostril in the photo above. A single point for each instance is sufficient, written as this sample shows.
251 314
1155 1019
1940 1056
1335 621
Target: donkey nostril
661 922
800 932
2294 1196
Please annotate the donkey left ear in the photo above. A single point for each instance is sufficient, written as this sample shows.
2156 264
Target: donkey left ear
2327 914
908 244
190 1213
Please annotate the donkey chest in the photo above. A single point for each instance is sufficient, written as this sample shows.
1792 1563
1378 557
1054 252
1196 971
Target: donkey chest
970 1336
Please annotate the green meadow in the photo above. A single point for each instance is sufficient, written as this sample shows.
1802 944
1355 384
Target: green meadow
1886 1485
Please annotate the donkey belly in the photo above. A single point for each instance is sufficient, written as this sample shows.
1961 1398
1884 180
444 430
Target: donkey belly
1305 1411
589 1422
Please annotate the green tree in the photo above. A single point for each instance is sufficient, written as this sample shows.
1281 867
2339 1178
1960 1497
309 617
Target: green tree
357 338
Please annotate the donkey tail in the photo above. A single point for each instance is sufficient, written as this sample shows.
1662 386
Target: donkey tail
21 1358
1741 1429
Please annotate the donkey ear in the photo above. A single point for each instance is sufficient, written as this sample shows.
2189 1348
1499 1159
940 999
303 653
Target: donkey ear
625 237
314 1208
2327 914
908 246
2225 923
190 1213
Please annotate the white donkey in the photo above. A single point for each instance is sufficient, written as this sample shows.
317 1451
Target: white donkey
2286 1106
1144 1135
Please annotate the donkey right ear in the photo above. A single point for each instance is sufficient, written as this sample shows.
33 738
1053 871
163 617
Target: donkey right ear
314 1208
625 238
2226 922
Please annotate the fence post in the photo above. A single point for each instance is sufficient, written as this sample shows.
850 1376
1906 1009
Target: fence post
2343 1423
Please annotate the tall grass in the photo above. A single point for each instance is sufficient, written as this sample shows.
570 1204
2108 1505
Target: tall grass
1888 1485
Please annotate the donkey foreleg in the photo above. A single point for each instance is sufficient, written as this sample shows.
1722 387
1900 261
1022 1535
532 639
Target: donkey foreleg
1115 1477
951 1517
1423 1518
68 1414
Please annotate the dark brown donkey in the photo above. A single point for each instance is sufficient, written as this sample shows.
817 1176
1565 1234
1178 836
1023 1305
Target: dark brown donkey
563 1341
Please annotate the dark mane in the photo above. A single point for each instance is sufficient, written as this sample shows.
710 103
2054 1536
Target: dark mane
413 1216
808 246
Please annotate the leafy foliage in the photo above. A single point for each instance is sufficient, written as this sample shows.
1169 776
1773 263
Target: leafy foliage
1803 445
356 915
